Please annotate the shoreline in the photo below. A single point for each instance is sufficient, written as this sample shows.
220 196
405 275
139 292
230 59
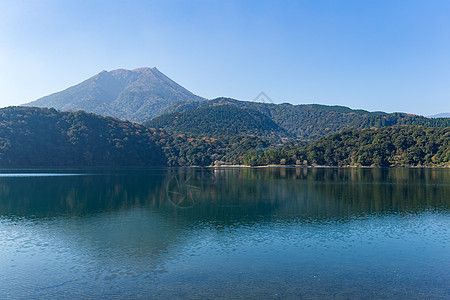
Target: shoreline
321 167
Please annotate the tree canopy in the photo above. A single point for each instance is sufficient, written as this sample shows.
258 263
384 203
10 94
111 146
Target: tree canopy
46 137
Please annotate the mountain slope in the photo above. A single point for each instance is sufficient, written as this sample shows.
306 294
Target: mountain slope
312 121
220 120
37 137
135 95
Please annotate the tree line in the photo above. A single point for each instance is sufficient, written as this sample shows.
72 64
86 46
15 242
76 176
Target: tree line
382 147
31 137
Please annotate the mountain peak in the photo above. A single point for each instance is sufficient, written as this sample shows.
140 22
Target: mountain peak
145 69
136 95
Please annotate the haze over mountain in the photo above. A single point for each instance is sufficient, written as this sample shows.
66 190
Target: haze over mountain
135 95
442 115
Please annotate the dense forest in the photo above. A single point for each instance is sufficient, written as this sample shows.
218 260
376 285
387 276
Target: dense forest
40 137
383 147
32 137
303 122
186 150
219 121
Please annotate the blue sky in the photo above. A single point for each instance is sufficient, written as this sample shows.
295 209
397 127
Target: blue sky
376 55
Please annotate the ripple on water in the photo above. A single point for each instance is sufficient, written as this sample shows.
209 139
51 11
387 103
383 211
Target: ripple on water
280 239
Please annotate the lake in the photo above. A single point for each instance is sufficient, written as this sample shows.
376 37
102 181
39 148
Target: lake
192 233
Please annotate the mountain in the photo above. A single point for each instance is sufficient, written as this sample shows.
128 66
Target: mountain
219 121
442 115
40 137
307 122
135 95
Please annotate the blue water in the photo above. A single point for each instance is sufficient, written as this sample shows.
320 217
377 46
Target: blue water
240 234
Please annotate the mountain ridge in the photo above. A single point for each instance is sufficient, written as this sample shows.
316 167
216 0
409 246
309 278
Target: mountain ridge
306 122
42 137
146 95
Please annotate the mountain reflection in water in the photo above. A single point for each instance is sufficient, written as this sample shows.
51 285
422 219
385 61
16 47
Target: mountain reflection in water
225 233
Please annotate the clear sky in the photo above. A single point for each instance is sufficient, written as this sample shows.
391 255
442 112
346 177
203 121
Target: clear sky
389 55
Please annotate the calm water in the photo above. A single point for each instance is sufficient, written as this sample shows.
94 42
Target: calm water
200 233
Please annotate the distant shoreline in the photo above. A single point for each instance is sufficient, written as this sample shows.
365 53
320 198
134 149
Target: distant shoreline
323 167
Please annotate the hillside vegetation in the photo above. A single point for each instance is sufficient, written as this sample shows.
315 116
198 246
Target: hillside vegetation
304 122
32 137
37 137
218 121
185 150
384 147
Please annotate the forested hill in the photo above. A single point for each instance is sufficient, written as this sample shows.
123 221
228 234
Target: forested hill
38 137
31 137
384 147
219 121
311 122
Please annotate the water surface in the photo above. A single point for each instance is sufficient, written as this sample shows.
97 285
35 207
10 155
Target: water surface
204 233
